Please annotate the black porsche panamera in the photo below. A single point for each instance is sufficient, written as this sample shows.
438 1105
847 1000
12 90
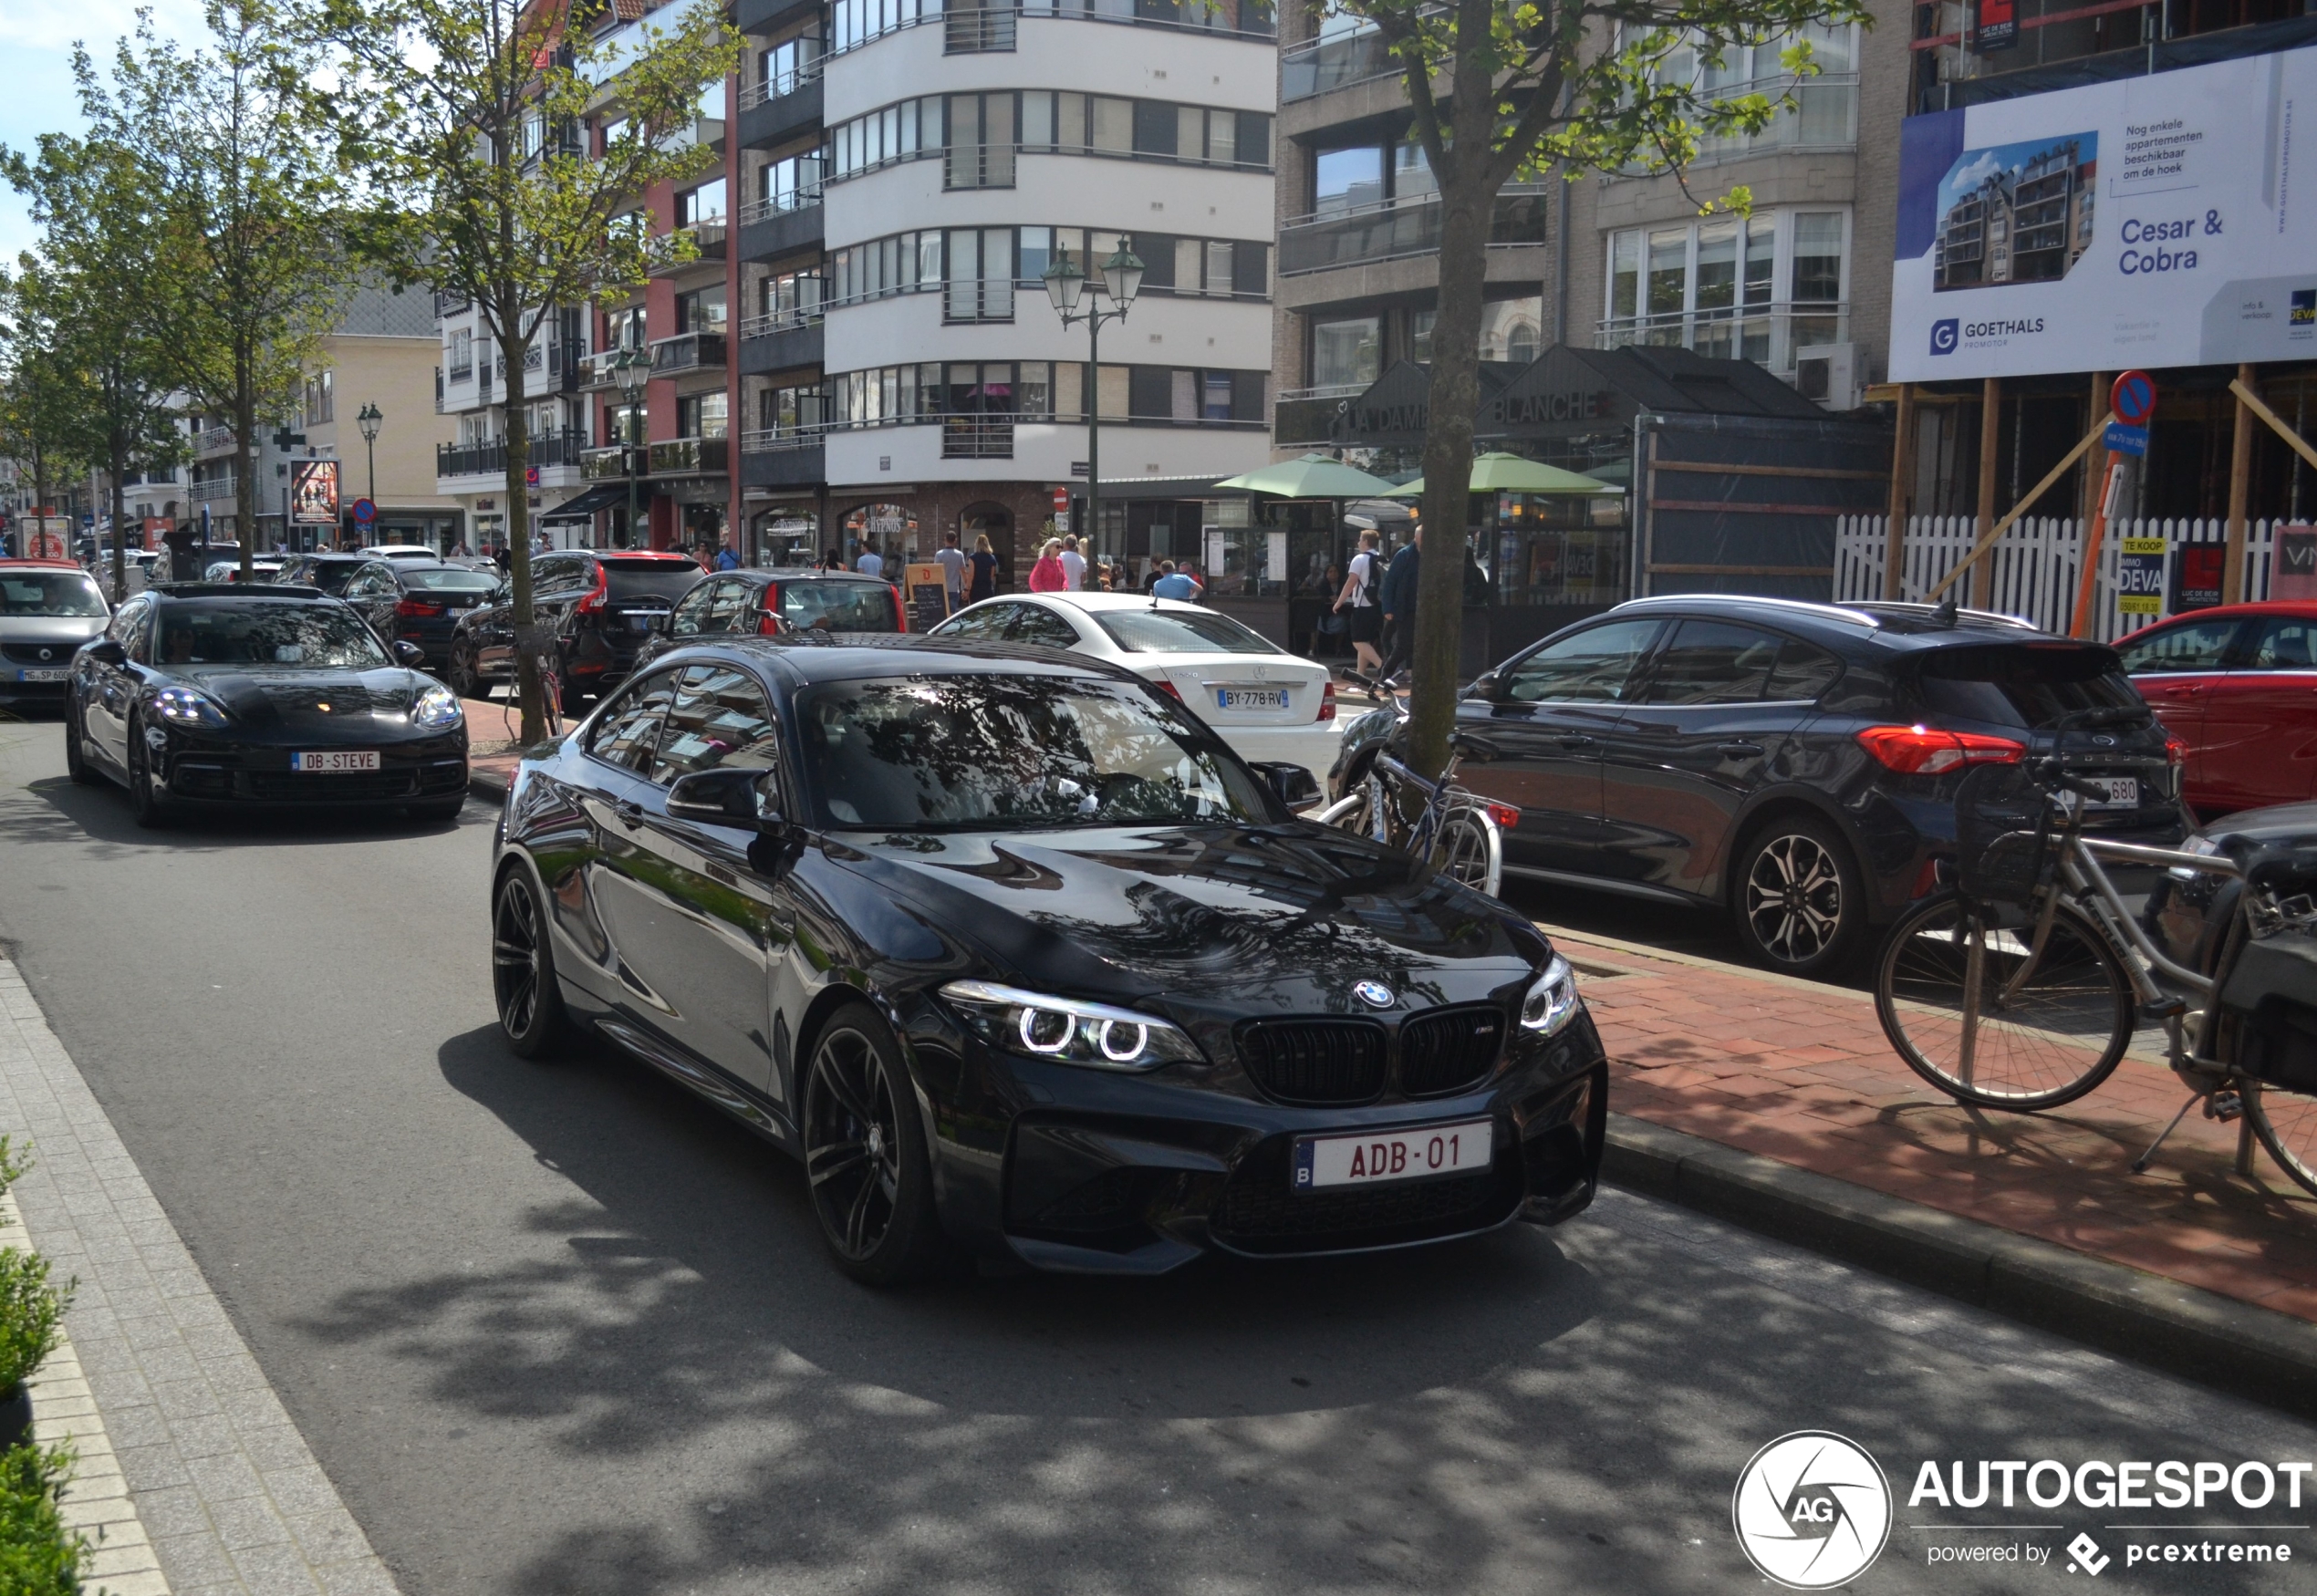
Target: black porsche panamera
230 695
1021 959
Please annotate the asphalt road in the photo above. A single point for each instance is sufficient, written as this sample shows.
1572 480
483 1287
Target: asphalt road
560 1331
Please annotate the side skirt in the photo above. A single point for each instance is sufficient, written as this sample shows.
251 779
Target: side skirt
743 1103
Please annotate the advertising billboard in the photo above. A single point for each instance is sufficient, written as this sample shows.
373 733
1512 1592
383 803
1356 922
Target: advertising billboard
2155 221
314 492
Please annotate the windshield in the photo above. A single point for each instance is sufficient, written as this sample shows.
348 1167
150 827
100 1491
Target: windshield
839 606
1180 631
998 752
669 579
2027 684
50 593
449 581
290 632
332 576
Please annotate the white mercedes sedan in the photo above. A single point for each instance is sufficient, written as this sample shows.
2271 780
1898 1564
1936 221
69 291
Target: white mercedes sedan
1266 703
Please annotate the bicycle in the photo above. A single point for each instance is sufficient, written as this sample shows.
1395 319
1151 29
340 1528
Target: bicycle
2021 988
1461 833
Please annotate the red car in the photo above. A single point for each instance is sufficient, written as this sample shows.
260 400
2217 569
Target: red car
2237 685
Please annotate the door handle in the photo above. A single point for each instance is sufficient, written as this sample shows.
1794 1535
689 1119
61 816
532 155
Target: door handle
1577 739
630 815
1739 750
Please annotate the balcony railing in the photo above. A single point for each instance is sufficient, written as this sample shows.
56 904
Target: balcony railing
1766 334
779 321
779 439
971 32
780 85
209 492
214 440
665 253
467 460
1400 228
609 464
688 456
1333 62
687 352
801 198
982 437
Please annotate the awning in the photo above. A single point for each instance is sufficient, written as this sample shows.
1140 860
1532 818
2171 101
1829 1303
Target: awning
602 496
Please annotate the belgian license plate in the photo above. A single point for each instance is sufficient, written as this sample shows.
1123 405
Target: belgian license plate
644 621
40 675
1389 1156
1251 698
2124 791
333 762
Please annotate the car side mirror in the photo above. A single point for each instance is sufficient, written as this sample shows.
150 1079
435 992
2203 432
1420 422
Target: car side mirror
1289 783
105 651
409 654
729 796
1486 686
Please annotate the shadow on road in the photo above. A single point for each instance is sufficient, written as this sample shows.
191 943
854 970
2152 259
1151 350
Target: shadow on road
53 809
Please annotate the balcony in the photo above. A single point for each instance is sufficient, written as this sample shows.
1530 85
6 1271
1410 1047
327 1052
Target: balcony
782 223
1399 229
212 442
763 16
780 343
665 253
471 460
982 437
597 370
211 491
608 464
969 31
1334 63
687 352
788 458
689 457
779 108
1766 334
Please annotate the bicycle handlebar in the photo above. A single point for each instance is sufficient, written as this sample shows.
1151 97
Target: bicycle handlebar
2051 774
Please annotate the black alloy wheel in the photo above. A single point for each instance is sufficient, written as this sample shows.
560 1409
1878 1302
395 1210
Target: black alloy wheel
522 970
464 680
77 763
150 808
1798 900
865 1153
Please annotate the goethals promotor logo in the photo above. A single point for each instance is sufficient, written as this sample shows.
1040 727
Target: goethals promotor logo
1945 336
1811 1510
1952 333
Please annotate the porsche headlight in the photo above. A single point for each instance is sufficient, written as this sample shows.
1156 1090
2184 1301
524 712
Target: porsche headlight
437 709
184 706
1552 998
1067 1030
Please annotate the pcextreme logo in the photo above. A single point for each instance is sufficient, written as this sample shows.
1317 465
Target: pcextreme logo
1811 1510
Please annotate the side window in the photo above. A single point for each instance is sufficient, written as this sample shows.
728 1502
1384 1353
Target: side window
2282 643
629 729
556 578
728 604
982 624
2190 646
719 717
1595 666
1803 673
1034 623
1712 662
689 617
128 630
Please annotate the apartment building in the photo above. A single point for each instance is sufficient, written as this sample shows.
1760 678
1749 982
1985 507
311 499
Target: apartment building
469 449
905 175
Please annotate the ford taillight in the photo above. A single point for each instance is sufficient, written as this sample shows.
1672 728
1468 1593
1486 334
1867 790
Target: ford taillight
1327 702
2175 752
1917 750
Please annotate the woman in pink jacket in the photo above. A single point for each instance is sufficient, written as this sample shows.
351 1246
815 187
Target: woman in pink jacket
1047 575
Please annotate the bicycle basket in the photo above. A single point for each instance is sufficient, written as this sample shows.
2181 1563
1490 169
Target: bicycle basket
2002 836
2271 993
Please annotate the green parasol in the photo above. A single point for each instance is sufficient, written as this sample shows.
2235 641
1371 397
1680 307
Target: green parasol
1313 476
1500 473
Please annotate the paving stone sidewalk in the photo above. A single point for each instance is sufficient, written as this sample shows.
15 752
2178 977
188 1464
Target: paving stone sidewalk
1800 1072
214 1483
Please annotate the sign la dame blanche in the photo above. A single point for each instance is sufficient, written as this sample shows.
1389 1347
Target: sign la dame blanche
2169 220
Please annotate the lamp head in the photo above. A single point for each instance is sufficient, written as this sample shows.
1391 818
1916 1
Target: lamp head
634 370
367 418
1065 283
1122 274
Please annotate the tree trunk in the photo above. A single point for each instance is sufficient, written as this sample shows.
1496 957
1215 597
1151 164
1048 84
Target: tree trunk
244 462
117 457
529 647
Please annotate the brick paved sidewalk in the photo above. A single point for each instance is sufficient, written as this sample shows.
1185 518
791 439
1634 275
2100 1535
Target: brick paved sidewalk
1800 1073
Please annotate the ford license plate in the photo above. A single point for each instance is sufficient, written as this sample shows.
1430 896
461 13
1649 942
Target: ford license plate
333 762
1251 698
1388 1156
2124 791
40 675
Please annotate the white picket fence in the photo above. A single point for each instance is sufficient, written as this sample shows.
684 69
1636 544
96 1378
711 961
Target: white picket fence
2038 562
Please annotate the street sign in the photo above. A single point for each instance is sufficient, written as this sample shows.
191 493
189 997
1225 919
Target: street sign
2140 570
531 475
2124 439
2134 397
364 512
1078 467
1062 501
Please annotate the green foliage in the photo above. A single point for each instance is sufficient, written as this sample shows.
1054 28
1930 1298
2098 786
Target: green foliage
31 1310
38 1556
14 1166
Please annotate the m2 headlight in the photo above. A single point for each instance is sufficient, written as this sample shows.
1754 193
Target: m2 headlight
1067 1030
184 706
1551 1000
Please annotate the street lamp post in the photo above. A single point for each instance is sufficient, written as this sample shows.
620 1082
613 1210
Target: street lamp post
1122 276
633 369
369 418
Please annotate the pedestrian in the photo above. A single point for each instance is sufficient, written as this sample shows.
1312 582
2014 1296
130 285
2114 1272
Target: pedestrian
829 561
727 557
951 559
1358 605
1048 574
1174 583
871 563
1073 566
702 553
984 583
1399 612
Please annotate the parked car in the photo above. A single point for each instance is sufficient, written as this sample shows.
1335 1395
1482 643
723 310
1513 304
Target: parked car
2188 910
1267 703
239 695
767 603
1017 956
329 573
1795 765
418 602
263 569
401 550
2238 685
603 607
48 609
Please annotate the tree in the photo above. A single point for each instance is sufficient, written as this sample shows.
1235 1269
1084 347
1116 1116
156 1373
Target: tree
481 184
1500 91
92 202
40 389
246 205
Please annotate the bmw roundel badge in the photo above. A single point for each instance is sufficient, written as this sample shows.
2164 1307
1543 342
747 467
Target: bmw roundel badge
1375 994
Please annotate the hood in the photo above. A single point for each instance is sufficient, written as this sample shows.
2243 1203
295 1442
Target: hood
294 698
65 633
1285 919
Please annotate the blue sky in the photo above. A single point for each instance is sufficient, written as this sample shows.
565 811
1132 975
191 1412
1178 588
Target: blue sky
36 40
1973 166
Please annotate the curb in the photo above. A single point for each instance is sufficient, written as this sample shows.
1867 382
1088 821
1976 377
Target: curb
2181 1330
488 785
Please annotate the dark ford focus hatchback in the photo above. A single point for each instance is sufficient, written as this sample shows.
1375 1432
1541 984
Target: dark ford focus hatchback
1020 959
1794 763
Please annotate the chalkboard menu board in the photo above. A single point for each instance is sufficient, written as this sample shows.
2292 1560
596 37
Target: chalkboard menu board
927 589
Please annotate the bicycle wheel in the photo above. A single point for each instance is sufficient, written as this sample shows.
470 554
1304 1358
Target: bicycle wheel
1938 992
2286 1123
1472 849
